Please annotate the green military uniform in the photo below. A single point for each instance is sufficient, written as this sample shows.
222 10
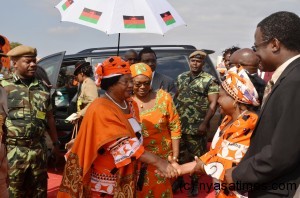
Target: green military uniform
192 104
26 123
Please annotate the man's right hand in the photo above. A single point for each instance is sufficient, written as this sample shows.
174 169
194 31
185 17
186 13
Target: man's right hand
202 130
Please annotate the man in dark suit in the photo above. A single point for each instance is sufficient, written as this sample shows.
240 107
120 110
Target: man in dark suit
271 164
159 81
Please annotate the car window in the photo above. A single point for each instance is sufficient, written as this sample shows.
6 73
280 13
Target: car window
209 68
66 76
172 66
51 64
97 60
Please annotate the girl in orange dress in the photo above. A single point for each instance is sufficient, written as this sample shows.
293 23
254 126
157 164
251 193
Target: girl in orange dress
160 128
232 139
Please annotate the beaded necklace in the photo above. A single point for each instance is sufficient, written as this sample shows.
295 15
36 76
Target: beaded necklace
124 108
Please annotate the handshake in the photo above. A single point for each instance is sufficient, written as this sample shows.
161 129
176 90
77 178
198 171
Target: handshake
172 169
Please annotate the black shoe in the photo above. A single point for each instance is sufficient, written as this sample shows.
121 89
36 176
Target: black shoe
178 184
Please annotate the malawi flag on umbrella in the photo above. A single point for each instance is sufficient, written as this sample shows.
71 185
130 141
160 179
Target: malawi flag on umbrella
67 4
134 22
168 18
89 15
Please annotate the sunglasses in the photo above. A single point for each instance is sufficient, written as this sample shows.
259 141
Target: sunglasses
139 84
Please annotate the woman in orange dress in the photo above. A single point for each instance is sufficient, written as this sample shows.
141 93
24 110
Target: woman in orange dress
160 128
237 97
103 159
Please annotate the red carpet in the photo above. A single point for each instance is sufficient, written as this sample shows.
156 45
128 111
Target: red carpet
55 179
204 191
55 175
55 171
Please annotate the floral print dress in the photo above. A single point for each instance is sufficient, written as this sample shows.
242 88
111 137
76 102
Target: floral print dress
160 125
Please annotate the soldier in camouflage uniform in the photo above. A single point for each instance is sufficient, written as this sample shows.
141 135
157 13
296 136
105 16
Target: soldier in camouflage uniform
29 111
196 103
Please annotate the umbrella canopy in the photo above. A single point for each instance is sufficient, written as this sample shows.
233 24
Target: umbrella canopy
122 16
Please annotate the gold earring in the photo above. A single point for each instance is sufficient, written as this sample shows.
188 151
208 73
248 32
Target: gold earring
234 104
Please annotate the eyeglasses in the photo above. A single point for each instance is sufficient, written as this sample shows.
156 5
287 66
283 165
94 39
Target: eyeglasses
254 47
139 84
126 83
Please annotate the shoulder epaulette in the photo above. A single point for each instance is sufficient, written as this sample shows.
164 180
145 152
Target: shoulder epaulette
43 82
5 77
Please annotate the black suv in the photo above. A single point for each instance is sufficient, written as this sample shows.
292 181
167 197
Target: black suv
172 60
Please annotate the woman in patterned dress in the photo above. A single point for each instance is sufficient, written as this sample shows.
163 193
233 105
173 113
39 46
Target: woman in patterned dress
160 128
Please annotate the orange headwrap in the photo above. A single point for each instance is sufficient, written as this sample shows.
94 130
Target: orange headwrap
141 69
238 85
112 66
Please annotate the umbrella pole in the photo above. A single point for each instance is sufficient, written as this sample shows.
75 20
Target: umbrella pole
118 44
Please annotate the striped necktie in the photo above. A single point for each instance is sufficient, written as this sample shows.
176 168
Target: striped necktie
267 91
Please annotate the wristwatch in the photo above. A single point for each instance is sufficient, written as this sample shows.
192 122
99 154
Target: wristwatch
57 143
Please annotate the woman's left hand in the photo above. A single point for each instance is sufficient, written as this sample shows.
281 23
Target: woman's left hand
173 163
165 169
69 144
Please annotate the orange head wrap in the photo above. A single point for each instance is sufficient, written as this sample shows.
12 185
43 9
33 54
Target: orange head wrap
112 66
238 85
141 69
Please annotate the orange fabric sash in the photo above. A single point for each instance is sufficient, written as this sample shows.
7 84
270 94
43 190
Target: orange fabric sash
102 123
239 132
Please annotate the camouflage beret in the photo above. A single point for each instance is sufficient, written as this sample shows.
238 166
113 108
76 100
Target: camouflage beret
22 50
198 54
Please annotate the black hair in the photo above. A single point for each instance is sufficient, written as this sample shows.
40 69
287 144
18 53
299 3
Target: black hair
83 67
108 82
284 26
251 107
131 51
2 40
146 50
87 70
230 50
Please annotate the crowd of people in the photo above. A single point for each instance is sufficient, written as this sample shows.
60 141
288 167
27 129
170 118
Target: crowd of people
147 130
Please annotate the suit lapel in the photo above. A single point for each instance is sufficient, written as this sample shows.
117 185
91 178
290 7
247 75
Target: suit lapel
289 68
156 81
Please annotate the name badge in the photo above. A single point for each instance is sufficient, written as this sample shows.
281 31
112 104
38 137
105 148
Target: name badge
40 115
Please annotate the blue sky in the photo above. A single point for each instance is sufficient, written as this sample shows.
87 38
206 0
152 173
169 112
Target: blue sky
213 24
